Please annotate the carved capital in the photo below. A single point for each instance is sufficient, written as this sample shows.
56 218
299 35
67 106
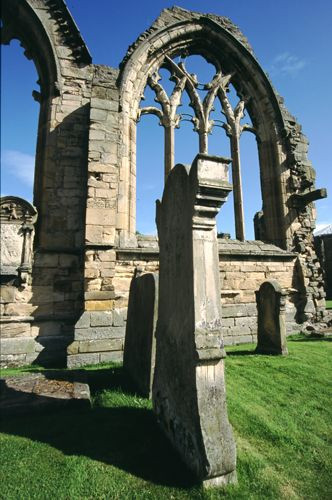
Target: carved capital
212 190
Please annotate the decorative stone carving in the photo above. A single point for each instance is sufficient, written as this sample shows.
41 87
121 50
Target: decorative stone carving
271 335
203 125
140 349
189 396
17 218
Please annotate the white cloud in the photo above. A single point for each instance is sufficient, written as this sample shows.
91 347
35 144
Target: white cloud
287 64
321 225
20 165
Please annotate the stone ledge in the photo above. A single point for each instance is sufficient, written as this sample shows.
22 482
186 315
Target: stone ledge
257 249
16 319
137 253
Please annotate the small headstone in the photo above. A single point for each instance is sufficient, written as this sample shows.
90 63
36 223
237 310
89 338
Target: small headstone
139 350
271 335
189 395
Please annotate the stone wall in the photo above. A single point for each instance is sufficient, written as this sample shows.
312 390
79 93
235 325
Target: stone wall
38 319
244 266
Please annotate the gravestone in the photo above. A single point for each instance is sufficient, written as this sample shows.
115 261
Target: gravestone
140 348
271 335
189 394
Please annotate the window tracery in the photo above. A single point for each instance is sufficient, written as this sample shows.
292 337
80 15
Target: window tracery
202 106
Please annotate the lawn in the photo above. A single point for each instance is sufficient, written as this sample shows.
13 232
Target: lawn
280 409
329 304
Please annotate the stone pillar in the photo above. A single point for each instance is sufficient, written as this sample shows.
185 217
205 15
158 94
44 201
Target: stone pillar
271 304
189 396
140 349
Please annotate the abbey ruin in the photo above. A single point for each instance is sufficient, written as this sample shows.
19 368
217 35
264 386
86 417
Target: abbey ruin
68 259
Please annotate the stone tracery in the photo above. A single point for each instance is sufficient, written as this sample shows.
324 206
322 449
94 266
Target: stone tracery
218 87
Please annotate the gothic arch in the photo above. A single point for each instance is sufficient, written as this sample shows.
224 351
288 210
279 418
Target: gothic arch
177 32
21 22
51 39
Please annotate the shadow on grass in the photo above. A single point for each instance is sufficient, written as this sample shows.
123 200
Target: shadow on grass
124 437
241 353
312 339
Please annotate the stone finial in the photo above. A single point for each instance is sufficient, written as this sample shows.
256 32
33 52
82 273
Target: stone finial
189 395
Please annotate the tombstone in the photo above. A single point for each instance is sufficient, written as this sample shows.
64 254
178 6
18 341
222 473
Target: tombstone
140 349
271 335
17 218
189 394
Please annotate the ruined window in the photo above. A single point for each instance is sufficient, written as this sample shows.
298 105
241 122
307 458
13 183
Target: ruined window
19 114
190 89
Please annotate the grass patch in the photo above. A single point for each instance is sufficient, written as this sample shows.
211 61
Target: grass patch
329 304
279 407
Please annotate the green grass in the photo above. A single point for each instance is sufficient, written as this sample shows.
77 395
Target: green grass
280 409
329 304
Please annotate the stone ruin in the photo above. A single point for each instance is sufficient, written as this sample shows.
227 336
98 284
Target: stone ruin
73 305
189 395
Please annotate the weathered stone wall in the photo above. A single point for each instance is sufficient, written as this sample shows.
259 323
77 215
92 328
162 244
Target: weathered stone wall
244 266
38 317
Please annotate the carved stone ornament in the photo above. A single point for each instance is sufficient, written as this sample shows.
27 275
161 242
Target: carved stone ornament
17 218
16 210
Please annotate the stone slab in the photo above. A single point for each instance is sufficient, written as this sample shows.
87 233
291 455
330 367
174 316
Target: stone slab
189 393
41 392
140 343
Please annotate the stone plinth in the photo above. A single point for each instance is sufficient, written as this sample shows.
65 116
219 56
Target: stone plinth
140 349
189 395
271 335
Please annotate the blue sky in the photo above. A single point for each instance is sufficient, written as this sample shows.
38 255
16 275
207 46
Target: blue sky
292 41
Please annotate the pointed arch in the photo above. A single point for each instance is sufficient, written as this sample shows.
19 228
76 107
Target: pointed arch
179 32
21 22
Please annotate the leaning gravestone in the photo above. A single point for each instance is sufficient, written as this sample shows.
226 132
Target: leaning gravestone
271 335
189 395
140 348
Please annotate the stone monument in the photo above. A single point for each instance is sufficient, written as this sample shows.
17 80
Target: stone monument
189 395
17 219
140 346
271 335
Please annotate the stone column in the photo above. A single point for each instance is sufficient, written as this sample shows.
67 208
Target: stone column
189 395
169 149
237 186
